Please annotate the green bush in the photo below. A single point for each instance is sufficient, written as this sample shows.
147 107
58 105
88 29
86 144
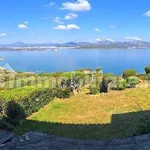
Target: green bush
129 73
148 77
108 75
114 83
55 74
6 126
99 71
62 93
67 75
94 90
120 84
147 69
97 81
80 74
84 69
132 82
14 113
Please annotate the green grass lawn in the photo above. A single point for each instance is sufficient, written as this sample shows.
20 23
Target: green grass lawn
113 115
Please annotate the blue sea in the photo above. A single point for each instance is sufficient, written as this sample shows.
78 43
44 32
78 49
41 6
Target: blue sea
71 59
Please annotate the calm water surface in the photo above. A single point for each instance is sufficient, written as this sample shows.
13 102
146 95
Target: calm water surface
66 60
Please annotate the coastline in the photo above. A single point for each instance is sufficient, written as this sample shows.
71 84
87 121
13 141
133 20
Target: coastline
69 48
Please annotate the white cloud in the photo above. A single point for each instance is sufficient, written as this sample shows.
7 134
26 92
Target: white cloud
97 40
132 38
60 27
110 40
70 16
72 26
112 26
26 22
22 26
96 29
3 34
57 20
67 27
80 5
147 13
50 4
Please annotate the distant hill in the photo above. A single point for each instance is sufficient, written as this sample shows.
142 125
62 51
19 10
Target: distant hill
105 44
71 44
21 44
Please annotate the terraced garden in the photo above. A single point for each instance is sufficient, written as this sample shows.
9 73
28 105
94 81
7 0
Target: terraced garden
117 114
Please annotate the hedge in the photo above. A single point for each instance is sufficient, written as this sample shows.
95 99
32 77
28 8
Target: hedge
18 93
32 99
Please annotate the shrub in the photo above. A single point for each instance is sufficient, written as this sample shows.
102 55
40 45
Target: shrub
129 73
5 126
114 83
80 74
97 81
99 71
68 75
108 75
132 82
120 84
148 77
62 93
14 112
94 90
147 69
84 69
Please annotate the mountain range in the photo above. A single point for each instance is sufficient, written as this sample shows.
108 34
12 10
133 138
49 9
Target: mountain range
105 44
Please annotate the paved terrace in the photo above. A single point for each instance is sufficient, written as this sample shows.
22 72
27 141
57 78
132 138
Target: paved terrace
41 141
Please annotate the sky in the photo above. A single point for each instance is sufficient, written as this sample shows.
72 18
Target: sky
59 21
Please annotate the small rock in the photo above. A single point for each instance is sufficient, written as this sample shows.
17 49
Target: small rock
21 140
27 138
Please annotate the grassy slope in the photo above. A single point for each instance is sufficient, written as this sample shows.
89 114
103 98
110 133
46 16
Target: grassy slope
91 117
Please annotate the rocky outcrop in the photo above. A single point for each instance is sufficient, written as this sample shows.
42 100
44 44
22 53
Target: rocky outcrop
5 136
